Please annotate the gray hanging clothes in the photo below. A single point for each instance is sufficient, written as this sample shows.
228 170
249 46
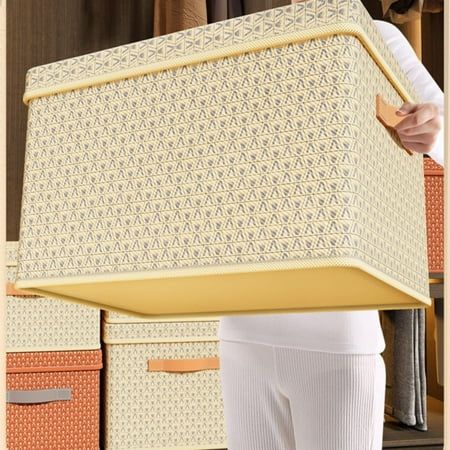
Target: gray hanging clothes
219 10
404 357
439 338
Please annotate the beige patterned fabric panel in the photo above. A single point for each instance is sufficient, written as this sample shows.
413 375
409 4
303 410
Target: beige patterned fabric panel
122 177
379 186
45 324
179 410
228 33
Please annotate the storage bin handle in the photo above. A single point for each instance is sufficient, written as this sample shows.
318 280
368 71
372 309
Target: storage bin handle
386 115
11 290
38 396
182 365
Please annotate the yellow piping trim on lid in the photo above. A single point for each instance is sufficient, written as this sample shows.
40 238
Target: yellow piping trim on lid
233 50
136 320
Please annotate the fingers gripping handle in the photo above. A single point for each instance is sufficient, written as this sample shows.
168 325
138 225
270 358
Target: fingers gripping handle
386 115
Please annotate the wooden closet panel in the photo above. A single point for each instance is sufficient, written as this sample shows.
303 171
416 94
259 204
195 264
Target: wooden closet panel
43 31
374 8
433 45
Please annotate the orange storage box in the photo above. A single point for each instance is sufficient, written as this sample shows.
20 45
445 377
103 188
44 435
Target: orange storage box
434 199
53 400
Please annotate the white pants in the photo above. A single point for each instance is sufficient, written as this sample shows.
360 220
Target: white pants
281 398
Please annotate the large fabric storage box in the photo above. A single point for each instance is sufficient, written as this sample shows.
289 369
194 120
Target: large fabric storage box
434 199
161 384
35 324
53 400
226 169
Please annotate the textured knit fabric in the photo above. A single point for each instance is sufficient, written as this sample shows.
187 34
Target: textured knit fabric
340 331
279 398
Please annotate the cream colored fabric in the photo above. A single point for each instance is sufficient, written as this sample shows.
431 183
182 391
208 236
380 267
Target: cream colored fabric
160 410
35 324
175 178
290 399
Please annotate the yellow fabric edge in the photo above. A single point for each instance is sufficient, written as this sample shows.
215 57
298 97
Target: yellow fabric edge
234 50
33 285
222 446
194 316
49 348
49 294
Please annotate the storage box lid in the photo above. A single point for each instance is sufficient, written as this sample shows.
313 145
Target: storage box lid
161 331
292 23
114 317
432 168
54 361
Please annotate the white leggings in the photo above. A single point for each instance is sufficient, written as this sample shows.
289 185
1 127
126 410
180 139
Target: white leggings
281 398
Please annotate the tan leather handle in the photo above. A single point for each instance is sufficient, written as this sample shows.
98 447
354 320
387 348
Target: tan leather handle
182 365
386 115
11 290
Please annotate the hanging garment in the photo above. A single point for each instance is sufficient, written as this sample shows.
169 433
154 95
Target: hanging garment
406 387
219 10
176 15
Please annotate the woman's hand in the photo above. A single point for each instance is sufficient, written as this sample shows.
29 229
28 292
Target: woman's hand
419 131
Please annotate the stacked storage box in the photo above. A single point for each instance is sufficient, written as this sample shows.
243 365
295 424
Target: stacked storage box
161 386
434 195
53 370
434 198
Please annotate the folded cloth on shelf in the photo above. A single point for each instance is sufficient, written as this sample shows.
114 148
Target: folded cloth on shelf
404 356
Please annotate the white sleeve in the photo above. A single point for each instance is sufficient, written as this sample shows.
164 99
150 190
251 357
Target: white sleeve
426 87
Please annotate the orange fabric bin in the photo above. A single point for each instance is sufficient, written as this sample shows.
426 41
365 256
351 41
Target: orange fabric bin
53 400
434 199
